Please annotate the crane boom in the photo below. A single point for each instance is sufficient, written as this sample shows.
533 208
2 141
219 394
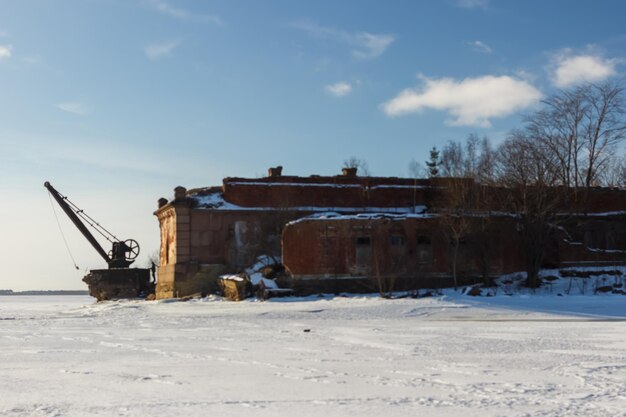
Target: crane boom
119 281
77 222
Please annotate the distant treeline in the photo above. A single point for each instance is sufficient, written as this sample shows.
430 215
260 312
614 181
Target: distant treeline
51 292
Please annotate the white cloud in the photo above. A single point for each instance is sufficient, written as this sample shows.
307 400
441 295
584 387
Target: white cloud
74 107
481 47
339 89
364 45
472 4
470 102
182 14
572 70
5 51
370 46
161 50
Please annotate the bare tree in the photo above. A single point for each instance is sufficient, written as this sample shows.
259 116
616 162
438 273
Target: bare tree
529 179
471 161
579 130
457 208
558 127
359 164
566 145
383 275
452 161
614 173
604 126
475 159
620 177
416 170
487 163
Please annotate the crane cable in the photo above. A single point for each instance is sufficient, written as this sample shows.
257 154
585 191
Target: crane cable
62 234
91 222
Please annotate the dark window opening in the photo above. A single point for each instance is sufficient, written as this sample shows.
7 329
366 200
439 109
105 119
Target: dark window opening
397 240
423 240
363 255
424 250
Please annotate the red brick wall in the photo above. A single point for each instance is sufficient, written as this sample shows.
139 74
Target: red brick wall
206 236
340 191
325 192
318 247
328 247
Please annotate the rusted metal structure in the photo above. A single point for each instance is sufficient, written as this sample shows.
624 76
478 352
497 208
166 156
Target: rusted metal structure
119 281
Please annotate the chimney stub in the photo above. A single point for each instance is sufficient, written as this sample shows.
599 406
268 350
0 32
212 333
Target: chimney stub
275 171
180 193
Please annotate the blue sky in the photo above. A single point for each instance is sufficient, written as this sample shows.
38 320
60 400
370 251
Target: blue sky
116 102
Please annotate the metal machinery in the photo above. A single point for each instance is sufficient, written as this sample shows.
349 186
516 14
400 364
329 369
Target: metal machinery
119 281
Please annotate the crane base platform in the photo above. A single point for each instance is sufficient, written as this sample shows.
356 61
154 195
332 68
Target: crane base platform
119 283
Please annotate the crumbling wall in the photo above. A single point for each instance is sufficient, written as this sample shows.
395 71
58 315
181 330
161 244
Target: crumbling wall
198 245
174 224
414 251
235 238
577 254
340 247
167 226
199 242
332 192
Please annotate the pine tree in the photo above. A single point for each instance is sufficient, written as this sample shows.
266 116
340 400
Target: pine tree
433 163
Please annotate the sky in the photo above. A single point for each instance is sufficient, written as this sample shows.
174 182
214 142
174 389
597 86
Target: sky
116 102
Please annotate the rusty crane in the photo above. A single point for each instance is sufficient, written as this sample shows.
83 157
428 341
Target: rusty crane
118 281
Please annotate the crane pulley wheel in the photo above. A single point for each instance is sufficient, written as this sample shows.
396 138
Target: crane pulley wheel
133 249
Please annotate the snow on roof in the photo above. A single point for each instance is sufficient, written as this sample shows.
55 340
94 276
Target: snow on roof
326 185
215 201
402 186
294 184
607 213
331 215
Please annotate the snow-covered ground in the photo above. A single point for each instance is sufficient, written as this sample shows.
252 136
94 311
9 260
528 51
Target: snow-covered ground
455 355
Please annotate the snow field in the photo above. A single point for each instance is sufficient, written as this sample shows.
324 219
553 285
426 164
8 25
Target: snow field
358 355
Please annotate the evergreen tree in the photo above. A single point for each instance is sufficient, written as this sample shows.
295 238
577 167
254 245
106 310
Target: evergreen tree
433 163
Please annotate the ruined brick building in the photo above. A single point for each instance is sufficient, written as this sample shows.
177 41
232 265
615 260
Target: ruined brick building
345 232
